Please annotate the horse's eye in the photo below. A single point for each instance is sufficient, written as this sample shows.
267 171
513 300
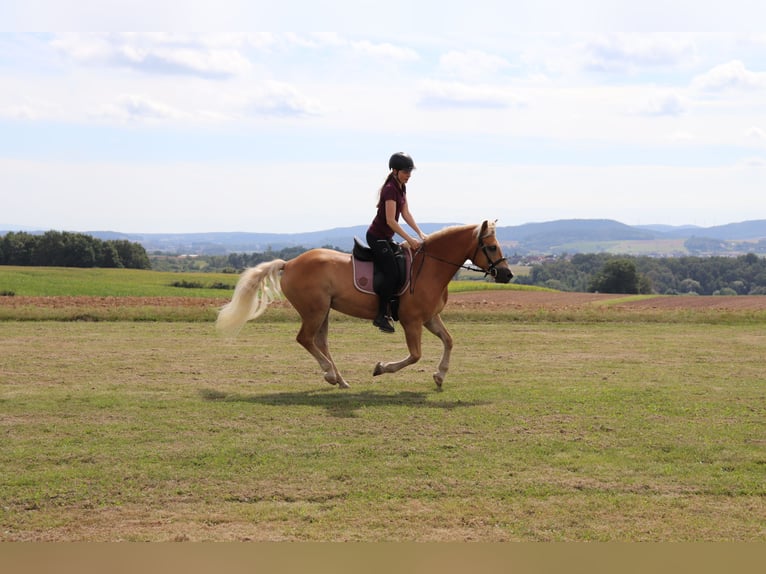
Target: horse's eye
491 248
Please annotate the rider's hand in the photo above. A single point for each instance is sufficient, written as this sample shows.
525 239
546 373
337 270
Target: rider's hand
413 243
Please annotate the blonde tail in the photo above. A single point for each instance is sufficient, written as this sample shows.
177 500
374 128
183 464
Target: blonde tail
256 288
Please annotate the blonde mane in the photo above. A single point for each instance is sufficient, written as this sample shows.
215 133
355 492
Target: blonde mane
436 235
491 226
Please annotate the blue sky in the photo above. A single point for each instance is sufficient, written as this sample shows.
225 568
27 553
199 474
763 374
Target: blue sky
524 115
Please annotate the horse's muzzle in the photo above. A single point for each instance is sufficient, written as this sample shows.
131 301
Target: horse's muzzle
502 274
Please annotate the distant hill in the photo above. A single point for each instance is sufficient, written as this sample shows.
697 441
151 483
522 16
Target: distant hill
745 230
545 237
550 237
670 229
218 243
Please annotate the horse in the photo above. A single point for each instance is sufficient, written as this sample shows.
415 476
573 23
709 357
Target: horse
319 280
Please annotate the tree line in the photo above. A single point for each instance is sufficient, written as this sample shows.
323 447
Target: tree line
607 273
67 249
601 272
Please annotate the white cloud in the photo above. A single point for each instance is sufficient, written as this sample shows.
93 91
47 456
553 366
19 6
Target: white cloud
20 112
729 76
378 50
471 63
193 61
752 162
386 51
625 53
681 136
756 133
87 49
435 94
663 104
281 100
136 108
212 57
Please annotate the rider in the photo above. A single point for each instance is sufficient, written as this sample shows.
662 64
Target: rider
392 201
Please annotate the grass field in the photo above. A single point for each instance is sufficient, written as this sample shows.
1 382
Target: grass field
163 431
62 281
584 425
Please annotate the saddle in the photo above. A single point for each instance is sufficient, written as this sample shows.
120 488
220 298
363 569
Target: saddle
366 279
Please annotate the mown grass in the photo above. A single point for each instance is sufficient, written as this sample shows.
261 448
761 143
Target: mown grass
115 309
67 281
544 431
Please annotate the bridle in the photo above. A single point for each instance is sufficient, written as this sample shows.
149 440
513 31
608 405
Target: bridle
491 270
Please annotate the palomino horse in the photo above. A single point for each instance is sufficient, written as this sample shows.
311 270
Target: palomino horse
322 279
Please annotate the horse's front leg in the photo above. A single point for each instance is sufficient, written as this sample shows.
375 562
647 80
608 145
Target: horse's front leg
436 326
412 333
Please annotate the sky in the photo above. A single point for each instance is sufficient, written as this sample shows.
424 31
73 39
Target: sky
642 112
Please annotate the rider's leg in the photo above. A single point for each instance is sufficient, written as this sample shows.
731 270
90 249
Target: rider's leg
384 260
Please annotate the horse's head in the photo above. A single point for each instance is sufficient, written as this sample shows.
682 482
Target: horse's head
489 256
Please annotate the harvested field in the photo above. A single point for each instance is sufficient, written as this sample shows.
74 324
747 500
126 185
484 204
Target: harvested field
525 300
474 300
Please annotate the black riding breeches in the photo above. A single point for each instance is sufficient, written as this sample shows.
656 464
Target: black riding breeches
385 262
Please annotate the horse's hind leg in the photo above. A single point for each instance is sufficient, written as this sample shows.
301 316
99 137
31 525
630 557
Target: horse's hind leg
313 337
321 342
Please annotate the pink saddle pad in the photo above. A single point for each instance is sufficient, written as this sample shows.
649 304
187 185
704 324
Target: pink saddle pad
363 274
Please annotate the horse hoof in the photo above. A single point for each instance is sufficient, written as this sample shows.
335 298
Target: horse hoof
330 378
438 380
343 385
378 370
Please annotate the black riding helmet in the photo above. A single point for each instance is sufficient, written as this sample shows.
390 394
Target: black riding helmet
400 161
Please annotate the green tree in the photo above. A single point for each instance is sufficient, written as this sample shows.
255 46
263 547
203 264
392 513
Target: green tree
617 276
132 255
67 249
689 285
48 249
18 248
107 256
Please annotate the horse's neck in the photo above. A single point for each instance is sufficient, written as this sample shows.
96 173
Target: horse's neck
455 243
452 249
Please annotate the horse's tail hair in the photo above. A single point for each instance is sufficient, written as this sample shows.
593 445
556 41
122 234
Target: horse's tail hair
257 287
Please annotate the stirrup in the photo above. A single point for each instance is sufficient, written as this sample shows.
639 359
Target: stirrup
382 322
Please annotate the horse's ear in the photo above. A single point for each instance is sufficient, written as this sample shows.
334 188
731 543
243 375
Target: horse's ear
484 228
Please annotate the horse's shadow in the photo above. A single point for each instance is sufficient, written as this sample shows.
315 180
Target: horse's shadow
341 404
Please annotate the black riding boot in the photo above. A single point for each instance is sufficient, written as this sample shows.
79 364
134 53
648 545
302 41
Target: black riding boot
382 322
385 262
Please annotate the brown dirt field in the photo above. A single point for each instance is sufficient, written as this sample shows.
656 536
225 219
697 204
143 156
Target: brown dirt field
479 300
522 300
